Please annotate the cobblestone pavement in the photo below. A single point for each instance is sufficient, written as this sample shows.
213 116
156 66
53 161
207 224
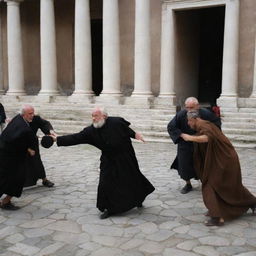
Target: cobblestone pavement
63 220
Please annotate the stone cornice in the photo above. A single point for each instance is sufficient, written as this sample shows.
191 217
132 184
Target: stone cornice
184 4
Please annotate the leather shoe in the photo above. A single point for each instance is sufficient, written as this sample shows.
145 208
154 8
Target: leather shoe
105 214
48 183
187 188
9 206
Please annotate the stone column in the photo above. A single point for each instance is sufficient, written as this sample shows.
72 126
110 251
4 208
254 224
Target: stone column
14 44
83 54
1 60
167 71
142 65
230 55
111 48
48 49
253 95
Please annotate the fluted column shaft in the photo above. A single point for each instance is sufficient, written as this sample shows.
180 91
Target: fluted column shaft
48 49
15 55
83 54
111 48
142 65
167 53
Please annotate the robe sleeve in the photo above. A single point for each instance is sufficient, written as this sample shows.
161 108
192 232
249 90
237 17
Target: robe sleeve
82 137
174 130
125 127
44 125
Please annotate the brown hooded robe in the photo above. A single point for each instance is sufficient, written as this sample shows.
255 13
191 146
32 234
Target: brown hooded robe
218 168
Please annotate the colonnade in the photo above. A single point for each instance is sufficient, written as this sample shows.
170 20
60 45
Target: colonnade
82 51
111 49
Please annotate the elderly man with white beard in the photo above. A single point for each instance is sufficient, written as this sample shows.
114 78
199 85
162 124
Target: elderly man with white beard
122 186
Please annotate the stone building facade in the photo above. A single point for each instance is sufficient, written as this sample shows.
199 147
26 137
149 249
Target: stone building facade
134 50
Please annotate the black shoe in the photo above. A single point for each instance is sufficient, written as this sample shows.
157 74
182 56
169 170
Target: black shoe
187 188
48 183
105 214
9 206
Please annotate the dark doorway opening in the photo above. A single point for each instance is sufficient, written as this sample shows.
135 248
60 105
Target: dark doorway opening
97 63
210 53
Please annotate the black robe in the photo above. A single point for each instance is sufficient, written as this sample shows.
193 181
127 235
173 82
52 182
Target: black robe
34 165
121 184
15 140
183 162
2 114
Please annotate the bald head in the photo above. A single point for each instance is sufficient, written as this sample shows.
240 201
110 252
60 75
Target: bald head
27 112
191 103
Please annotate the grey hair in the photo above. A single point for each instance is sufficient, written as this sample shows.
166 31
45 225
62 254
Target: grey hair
193 114
24 108
102 110
192 99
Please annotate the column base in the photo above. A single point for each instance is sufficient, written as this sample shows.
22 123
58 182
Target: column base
83 92
228 101
2 92
49 92
16 92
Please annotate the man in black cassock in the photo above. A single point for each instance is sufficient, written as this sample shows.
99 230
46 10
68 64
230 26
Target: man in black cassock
34 166
183 162
16 142
2 117
121 184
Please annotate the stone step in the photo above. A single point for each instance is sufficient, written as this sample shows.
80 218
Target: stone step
236 131
240 125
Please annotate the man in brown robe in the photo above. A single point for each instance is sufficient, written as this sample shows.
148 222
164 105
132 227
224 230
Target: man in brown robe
217 165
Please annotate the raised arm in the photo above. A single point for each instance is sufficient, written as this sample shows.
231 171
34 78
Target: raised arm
194 138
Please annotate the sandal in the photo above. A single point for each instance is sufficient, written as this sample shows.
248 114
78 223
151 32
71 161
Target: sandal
214 221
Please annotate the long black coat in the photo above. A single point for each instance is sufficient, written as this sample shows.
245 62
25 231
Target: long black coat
34 165
15 140
183 162
2 114
121 184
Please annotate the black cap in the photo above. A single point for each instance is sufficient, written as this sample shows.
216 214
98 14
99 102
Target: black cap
47 141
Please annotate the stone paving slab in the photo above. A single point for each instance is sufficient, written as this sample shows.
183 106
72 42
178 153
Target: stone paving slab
64 221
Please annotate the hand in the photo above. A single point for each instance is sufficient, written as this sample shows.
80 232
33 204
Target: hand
31 152
185 136
54 136
52 132
138 136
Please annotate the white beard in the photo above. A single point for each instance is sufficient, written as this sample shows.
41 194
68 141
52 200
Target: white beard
98 124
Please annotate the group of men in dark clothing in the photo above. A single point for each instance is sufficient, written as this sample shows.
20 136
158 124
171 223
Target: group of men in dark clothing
122 186
20 161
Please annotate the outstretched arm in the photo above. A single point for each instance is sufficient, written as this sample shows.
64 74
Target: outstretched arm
138 136
194 138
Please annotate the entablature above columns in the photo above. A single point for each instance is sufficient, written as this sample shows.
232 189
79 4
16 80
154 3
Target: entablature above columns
190 4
